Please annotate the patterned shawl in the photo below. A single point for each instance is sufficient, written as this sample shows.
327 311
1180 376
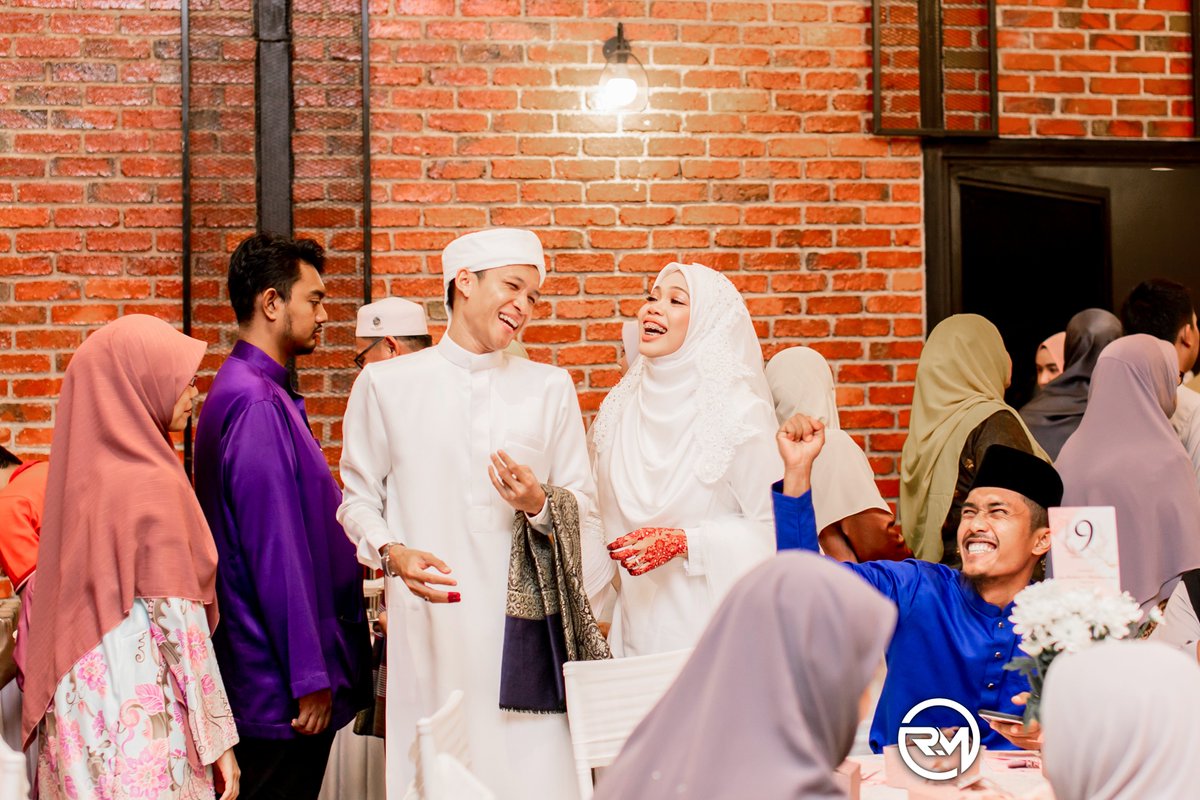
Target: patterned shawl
549 620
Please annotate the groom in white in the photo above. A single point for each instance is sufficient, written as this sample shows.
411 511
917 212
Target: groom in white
440 448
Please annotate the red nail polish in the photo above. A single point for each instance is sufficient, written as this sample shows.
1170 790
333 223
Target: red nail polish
453 597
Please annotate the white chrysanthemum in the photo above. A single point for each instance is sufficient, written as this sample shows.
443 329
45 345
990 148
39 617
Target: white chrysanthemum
1057 617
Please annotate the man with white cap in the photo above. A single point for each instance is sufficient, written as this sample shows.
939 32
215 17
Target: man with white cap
434 504
385 329
388 328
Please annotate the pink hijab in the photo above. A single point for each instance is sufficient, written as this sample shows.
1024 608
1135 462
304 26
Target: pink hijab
1125 454
121 520
1057 345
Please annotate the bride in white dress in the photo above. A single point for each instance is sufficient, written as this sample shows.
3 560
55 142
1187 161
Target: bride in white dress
684 453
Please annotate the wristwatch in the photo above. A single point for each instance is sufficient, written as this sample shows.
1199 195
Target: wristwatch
385 556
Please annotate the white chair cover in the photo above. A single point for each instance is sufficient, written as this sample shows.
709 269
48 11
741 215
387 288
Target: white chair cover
607 699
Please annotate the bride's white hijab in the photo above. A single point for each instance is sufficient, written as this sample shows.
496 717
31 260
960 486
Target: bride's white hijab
669 430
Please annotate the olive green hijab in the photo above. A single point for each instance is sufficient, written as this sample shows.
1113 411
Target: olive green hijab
960 383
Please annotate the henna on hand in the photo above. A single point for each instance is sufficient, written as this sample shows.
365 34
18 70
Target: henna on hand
648 548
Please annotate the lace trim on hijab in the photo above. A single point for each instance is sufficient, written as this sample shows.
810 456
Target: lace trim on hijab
723 391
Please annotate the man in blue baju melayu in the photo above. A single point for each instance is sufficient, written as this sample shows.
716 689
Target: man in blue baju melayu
953 636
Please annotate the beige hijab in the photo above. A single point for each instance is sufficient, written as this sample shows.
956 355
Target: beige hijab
1121 723
960 383
842 481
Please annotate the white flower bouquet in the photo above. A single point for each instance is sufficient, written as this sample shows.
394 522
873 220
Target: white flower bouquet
1054 617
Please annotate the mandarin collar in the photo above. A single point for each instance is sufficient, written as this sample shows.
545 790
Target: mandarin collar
472 362
976 601
255 357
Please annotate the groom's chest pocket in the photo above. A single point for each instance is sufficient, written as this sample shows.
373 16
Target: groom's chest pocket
529 449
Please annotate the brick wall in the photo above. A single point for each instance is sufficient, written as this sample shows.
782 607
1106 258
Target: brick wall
1101 68
89 188
755 157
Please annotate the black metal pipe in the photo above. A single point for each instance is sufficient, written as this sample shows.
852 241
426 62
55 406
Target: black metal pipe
185 79
366 146
273 115
930 57
1195 27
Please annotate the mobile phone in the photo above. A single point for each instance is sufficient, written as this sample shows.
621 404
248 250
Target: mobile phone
999 716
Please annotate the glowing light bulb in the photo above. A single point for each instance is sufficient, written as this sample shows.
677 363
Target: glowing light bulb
617 93
623 85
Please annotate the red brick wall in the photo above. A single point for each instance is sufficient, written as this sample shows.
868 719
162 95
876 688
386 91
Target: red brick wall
89 188
221 115
1100 68
755 157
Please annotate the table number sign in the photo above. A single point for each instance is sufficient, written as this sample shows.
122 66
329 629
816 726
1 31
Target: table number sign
1083 546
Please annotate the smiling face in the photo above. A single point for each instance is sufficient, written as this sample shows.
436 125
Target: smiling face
494 305
663 319
183 408
997 537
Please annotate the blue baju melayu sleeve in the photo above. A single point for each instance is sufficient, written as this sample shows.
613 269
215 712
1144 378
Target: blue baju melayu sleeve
949 642
795 520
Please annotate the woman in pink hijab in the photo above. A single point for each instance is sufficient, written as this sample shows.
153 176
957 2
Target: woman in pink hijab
1050 358
121 681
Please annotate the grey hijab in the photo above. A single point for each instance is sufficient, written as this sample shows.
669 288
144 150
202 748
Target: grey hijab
767 705
1055 413
1120 723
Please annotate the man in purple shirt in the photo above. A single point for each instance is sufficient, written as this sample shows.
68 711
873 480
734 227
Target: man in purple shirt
292 642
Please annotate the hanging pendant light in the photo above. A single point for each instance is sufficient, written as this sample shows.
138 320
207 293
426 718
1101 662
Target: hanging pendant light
623 83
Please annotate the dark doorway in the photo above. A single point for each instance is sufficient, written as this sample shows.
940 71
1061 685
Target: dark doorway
1033 253
1026 210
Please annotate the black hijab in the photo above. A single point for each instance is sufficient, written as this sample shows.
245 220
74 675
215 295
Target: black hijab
1055 413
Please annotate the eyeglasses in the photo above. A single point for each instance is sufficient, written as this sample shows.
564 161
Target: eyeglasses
360 360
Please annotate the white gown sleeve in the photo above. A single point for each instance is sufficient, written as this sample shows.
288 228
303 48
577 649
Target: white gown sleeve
728 546
366 463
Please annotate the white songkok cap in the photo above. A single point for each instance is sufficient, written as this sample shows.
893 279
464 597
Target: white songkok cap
495 247
392 316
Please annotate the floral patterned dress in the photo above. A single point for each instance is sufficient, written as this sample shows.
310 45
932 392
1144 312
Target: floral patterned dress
142 715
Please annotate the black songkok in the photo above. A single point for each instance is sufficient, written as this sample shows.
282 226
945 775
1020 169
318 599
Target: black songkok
1009 468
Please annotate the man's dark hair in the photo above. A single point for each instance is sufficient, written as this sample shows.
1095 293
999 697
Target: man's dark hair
7 459
1158 307
268 261
415 343
1038 516
450 288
